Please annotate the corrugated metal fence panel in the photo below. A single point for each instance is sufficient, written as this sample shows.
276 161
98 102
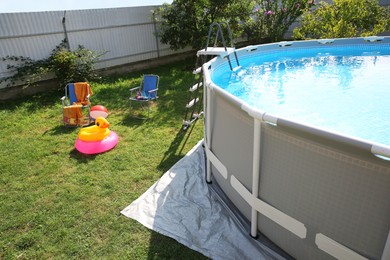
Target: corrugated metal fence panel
126 34
34 23
31 35
112 17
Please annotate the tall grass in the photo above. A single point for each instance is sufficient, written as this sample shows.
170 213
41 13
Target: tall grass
58 203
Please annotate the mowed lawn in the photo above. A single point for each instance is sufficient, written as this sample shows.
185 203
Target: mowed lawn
56 203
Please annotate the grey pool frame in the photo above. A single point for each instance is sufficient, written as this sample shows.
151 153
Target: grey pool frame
314 193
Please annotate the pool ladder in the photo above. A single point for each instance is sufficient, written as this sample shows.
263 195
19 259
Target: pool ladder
194 104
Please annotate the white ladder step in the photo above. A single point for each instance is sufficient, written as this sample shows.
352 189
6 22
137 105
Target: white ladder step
197 116
219 51
197 71
192 102
195 87
236 68
188 123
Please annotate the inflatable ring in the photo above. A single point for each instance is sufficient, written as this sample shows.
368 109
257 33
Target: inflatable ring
93 136
97 132
97 146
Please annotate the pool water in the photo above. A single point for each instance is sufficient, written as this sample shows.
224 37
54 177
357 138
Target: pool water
344 90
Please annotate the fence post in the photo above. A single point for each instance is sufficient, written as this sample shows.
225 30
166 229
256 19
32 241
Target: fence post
156 35
65 32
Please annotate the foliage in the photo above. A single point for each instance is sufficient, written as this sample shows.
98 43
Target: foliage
25 69
271 19
67 65
345 18
186 23
74 66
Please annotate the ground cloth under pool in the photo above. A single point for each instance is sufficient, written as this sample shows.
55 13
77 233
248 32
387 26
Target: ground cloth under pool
182 206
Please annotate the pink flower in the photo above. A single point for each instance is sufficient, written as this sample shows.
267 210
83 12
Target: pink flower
268 13
297 5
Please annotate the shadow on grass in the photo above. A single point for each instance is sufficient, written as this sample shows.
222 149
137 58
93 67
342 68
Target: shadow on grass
158 249
112 97
135 119
61 129
33 103
82 158
174 152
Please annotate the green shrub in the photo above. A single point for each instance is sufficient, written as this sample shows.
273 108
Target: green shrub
345 18
67 65
271 19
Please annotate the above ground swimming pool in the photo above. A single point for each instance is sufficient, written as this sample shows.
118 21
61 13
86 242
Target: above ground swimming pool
298 138
344 90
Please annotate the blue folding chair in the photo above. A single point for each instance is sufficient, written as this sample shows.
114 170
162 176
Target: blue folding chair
146 92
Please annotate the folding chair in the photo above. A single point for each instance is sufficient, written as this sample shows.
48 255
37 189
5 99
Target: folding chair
146 92
76 104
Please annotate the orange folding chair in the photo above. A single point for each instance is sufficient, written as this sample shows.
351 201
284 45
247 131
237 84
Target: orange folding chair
76 104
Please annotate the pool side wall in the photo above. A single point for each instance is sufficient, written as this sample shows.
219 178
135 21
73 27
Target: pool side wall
319 195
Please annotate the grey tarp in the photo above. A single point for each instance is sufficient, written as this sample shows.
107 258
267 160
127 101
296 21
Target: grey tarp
182 206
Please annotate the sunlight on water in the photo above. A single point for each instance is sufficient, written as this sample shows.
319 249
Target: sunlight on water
348 94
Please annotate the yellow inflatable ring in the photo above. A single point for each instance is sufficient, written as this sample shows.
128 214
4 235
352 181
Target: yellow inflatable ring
97 132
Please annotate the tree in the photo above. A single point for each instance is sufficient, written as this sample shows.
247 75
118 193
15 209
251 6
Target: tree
344 18
186 23
271 19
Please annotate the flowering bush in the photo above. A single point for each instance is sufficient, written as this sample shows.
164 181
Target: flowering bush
344 18
271 19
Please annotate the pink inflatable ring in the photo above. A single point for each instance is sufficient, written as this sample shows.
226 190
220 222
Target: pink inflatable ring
96 147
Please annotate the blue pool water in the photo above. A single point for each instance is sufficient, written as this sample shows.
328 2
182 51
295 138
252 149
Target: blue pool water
344 90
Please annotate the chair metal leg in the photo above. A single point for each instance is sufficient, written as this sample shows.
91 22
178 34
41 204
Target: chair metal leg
148 108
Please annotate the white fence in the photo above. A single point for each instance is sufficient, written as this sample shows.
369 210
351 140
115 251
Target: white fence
126 34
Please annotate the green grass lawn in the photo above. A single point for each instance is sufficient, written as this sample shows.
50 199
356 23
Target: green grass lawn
58 203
